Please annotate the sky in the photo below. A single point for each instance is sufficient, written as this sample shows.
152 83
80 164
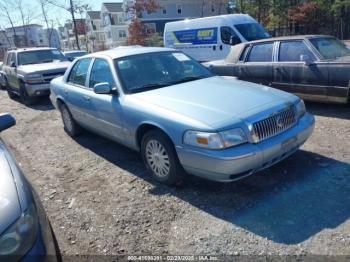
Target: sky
56 14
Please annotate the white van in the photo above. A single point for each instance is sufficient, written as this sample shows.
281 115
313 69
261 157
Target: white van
209 38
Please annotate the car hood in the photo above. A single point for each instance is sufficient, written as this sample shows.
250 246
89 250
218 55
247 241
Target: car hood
10 208
217 101
37 68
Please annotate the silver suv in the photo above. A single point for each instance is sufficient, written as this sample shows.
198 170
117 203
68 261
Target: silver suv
28 72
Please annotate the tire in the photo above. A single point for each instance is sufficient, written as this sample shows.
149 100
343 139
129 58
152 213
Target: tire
160 158
70 125
25 98
11 94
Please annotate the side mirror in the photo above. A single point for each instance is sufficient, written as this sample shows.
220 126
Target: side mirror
306 59
103 88
6 121
13 64
71 59
234 40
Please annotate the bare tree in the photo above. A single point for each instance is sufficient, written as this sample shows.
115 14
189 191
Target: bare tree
72 7
6 9
43 6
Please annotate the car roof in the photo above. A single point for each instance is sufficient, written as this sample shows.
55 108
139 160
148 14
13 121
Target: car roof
74 51
128 51
27 49
282 38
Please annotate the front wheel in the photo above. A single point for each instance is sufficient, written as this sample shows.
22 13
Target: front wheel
70 125
25 98
160 158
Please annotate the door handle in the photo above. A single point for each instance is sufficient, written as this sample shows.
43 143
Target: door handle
87 98
65 91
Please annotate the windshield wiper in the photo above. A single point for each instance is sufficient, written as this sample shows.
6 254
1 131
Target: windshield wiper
47 61
186 79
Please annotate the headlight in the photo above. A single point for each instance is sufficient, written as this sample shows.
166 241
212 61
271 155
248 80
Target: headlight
20 237
220 140
34 78
300 108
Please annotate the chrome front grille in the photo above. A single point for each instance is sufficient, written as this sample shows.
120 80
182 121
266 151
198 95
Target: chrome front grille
273 125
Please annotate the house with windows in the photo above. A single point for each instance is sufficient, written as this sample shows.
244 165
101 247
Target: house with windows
174 10
96 36
113 24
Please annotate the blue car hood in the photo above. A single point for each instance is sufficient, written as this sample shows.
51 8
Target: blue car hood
216 101
10 209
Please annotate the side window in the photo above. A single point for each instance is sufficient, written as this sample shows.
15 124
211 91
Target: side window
293 51
228 36
100 73
79 72
261 53
244 53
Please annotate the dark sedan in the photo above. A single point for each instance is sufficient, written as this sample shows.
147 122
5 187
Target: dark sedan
25 231
313 67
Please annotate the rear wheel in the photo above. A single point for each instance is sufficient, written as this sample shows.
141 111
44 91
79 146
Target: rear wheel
70 125
160 158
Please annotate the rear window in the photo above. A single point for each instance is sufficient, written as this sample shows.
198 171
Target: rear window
244 54
261 53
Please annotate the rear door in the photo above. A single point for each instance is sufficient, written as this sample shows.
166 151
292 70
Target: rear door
308 79
257 66
77 93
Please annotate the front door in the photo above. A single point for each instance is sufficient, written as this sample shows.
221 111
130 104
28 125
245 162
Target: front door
298 71
106 107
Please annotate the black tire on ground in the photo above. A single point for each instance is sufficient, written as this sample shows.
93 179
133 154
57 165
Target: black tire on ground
9 92
160 158
70 125
25 98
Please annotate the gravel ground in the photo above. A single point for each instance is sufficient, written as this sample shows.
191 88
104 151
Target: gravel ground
101 201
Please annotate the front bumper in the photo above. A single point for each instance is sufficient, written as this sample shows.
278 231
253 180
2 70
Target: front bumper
244 160
38 89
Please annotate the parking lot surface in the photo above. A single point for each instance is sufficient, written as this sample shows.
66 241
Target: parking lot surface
100 199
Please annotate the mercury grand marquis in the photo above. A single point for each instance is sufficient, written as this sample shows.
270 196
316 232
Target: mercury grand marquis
180 117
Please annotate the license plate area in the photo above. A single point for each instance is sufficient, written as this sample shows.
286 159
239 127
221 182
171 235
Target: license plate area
288 144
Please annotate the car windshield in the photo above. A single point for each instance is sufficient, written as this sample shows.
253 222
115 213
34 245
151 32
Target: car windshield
252 31
330 47
39 57
155 70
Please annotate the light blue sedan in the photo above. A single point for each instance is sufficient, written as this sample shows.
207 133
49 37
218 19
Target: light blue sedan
180 117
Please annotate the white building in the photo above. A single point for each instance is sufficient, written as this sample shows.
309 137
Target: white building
113 24
173 10
96 36
28 35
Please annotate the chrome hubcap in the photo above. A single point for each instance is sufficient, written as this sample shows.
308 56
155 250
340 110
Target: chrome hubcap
67 119
157 158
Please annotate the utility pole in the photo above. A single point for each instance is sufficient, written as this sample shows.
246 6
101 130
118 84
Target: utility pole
74 24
